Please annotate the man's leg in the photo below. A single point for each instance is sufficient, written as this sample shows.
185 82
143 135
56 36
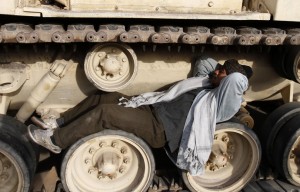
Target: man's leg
90 103
83 107
139 121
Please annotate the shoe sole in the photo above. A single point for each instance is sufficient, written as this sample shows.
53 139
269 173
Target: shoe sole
29 130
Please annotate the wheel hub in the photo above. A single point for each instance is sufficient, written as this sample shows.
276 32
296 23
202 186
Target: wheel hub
296 155
293 162
5 169
108 163
110 159
111 67
221 154
218 160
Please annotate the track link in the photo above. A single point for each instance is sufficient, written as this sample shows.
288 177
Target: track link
52 33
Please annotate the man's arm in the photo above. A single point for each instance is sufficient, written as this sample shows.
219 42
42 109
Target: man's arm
229 95
204 66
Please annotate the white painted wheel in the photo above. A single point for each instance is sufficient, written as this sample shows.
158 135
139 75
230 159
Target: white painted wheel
234 160
111 67
286 151
293 161
17 156
110 161
12 173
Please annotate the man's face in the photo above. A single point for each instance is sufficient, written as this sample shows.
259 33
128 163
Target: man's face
217 75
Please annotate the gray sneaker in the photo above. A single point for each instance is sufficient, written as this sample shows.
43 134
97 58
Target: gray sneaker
42 137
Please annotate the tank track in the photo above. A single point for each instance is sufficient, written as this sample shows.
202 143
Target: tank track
159 184
53 33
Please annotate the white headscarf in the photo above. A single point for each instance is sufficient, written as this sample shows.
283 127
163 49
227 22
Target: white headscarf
209 107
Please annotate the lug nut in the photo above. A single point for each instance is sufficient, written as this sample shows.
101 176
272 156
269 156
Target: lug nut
92 150
112 176
126 160
100 176
292 156
102 144
87 161
121 170
123 150
114 144
225 139
212 168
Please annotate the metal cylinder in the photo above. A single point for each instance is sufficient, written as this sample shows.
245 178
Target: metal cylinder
41 91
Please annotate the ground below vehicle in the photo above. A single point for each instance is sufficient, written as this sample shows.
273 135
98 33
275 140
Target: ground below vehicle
54 53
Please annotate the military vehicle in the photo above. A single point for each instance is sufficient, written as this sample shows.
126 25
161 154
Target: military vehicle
54 53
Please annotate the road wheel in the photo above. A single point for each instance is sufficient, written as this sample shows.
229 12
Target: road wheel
286 62
292 64
111 67
109 161
17 156
234 159
273 124
286 152
278 61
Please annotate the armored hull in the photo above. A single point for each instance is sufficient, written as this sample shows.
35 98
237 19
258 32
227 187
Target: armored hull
54 53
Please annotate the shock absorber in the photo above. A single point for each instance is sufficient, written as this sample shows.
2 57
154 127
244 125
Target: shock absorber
41 91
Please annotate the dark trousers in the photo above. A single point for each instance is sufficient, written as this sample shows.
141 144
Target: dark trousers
101 111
